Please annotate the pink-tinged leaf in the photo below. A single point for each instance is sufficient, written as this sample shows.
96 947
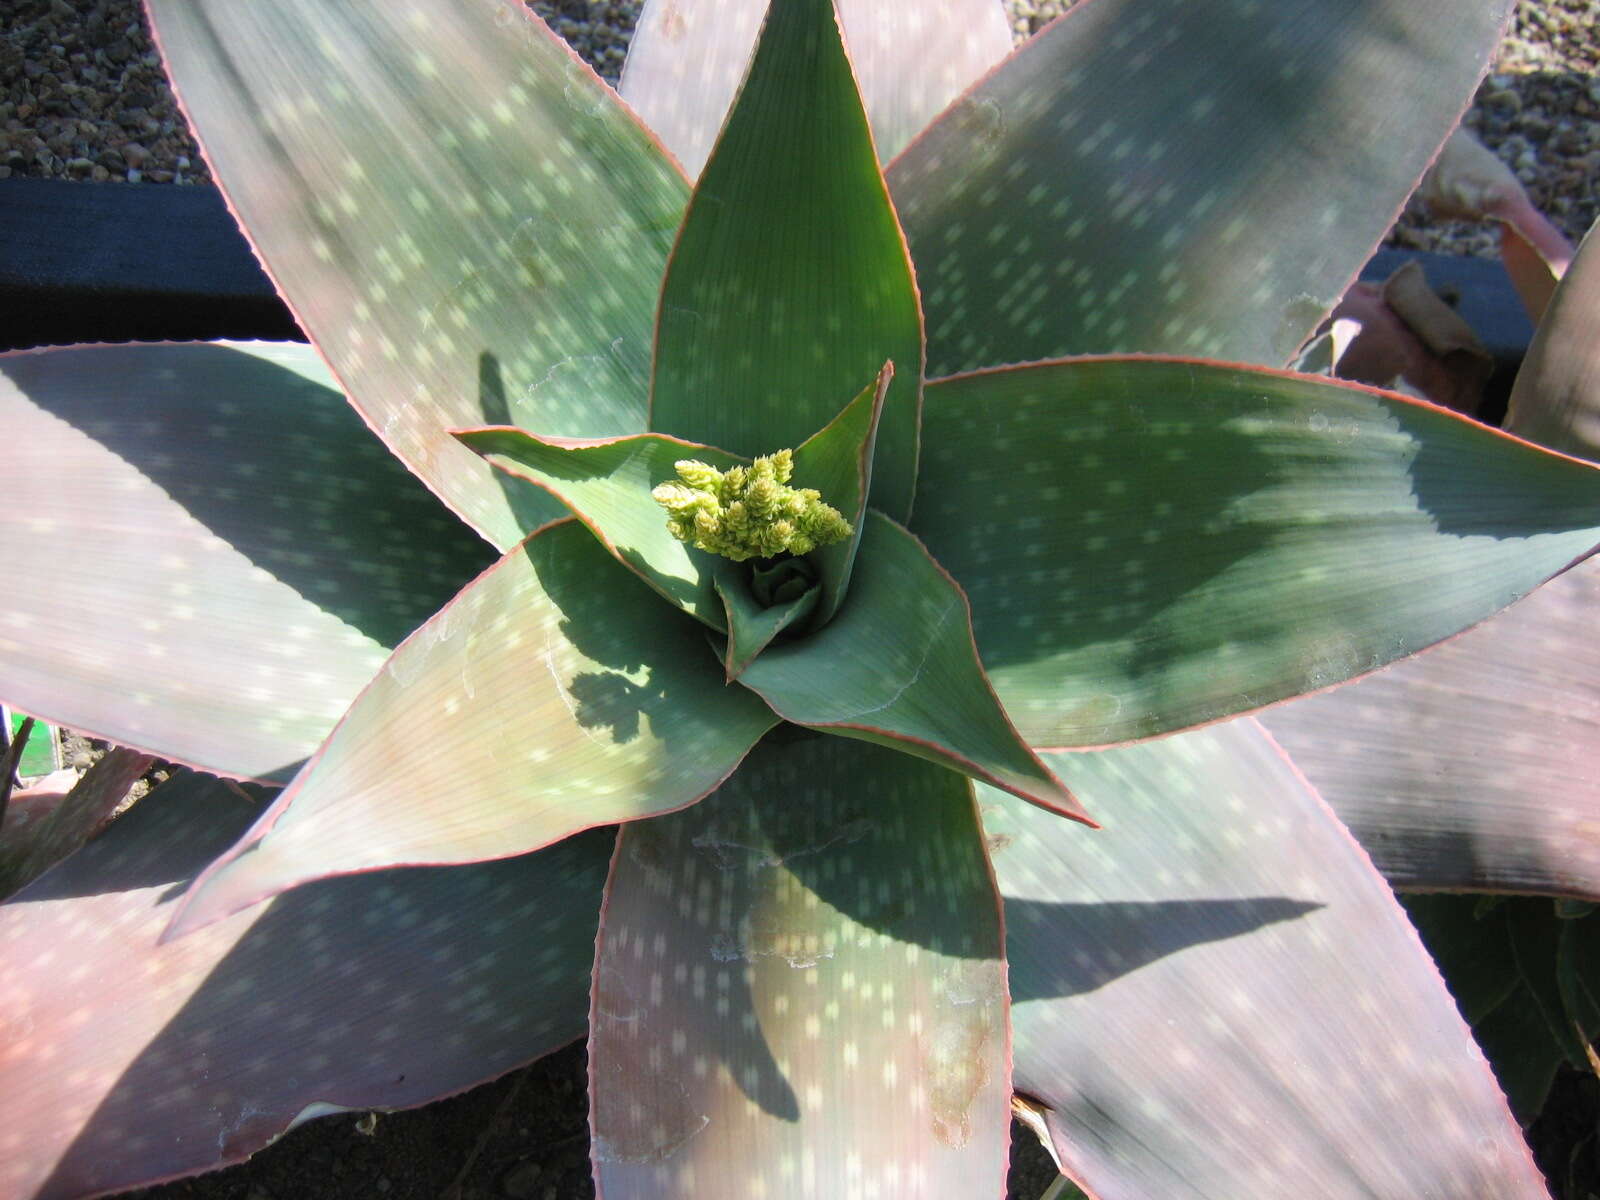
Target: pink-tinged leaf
207 554
1151 544
1166 176
1216 994
555 693
799 988
124 1062
1472 766
1556 399
459 212
913 57
790 283
897 666
1404 333
43 825
1469 182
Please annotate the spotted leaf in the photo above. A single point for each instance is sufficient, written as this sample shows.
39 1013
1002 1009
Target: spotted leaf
897 666
790 282
798 988
1472 766
1222 537
230 554
1164 176
1216 994
373 991
461 215
554 694
913 57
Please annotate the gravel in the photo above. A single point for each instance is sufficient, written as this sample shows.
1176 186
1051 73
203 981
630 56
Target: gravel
85 98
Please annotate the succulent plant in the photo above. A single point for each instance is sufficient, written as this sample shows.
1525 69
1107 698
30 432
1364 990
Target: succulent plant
787 829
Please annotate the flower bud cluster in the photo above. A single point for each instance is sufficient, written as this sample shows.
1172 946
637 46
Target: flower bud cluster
748 512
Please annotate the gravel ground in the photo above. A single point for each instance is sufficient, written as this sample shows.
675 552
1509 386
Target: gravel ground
85 98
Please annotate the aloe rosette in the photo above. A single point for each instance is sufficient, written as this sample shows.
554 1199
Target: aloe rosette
850 904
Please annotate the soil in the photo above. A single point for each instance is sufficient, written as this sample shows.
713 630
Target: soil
523 1137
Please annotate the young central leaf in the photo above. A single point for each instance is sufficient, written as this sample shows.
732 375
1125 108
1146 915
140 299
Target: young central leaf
748 512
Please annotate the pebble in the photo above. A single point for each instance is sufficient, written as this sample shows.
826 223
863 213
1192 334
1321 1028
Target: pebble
81 79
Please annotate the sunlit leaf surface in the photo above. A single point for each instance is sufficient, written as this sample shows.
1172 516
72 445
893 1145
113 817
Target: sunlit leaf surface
898 666
42 827
607 486
1217 996
1472 766
207 553
1556 400
798 988
554 694
790 284
1174 177
1152 544
458 211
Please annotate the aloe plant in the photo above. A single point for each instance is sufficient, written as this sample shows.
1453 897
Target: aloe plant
843 915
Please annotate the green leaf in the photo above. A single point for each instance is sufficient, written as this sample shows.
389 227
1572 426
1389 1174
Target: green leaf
799 988
1165 176
606 484
838 462
912 57
1216 995
897 666
555 693
1556 400
463 217
1151 544
790 282
1472 766
751 627
207 554
124 1061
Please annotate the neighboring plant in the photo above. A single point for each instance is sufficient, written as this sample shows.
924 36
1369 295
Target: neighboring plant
829 768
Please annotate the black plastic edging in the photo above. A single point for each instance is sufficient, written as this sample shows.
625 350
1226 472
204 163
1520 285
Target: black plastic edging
149 262
127 262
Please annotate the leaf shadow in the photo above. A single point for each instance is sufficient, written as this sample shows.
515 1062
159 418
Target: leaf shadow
384 989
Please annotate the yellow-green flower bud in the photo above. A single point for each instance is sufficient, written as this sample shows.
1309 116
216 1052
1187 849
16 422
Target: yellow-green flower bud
748 512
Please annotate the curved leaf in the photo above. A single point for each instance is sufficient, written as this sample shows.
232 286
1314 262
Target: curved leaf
459 212
897 666
1472 766
1556 399
555 693
240 553
769 1020
912 57
607 486
1159 175
1151 544
790 283
41 826
1216 995
123 1061
837 461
